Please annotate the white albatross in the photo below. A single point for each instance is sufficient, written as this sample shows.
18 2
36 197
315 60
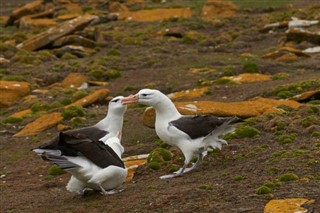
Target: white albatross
93 164
107 128
192 134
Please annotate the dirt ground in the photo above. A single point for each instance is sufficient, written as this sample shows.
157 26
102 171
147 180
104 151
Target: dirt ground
226 181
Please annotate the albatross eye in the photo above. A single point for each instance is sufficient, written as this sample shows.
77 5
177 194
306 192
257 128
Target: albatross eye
115 100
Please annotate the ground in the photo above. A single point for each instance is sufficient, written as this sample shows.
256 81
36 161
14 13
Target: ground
227 180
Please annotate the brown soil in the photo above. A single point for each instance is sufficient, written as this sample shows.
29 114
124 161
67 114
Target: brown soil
226 181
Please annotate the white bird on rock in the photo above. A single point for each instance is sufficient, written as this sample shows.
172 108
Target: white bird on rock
93 164
192 134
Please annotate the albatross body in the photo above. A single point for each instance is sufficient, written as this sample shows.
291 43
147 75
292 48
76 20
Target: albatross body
93 164
90 151
193 135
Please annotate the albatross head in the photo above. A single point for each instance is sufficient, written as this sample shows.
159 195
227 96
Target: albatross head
148 97
116 106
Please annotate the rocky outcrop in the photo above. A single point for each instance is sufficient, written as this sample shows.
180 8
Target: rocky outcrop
12 91
248 77
48 37
251 108
287 205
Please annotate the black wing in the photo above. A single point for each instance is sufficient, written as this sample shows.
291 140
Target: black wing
200 125
78 144
92 133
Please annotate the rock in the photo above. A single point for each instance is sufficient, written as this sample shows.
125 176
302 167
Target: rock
287 58
299 35
285 51
132 163
307 96
74 8
27 9
42 123
217 9
97 95
251 108
74 80
49 36
174 32
78 51
61 127
156 14
21 114
189 93
273 26
117 7
4 61
28 23
287 205
67 16
295 22
74 40
12 91
203 70
249 77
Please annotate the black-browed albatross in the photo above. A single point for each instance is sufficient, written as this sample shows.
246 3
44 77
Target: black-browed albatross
89 138
93 164
192 134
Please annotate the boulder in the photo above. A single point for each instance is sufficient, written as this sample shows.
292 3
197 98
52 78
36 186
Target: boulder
299 35
97 95
49 36
42 123
74 80
287 205
156 14
27 23
307 96
27 9
12 91
76 50
217 9
74 40
249 77
251 108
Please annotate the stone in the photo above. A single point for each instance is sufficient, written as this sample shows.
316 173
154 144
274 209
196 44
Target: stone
12 91
117 7
156 14
21 114
287 205
132 163
217 9
42 123
27 9
307 96
4 61
95 96
299 35
29 23
67 16
74 40
74 8
194 93
249 77
62 127
76 50
49 36
287 58
74 80
285 51
245 109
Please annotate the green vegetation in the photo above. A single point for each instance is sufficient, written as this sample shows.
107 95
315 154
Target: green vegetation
284 139
263 190
13 78
159 155
73 111
247 132
310 120
12 120
154 165
280 76
239 177
205 187
288 177
55 171
250 67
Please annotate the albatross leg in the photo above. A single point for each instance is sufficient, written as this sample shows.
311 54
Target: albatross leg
111 192
195 165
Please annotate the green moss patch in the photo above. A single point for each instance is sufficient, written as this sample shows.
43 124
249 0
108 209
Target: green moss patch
55 171
288 177
73 111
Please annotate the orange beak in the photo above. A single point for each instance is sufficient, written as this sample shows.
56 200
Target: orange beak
130 99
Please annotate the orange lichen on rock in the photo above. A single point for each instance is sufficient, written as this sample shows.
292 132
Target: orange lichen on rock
21 114
287 205
249 77
156 14
74 80
194 93
215 9
91 98
251 108
132 163
42 123
12 91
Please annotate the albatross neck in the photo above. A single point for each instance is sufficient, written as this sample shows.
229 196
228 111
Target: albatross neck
166 109
111 123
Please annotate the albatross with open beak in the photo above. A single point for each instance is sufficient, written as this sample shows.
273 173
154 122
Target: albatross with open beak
192 134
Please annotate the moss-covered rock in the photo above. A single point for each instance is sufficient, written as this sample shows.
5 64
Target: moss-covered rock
55 171
288 177
73 111
263 190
